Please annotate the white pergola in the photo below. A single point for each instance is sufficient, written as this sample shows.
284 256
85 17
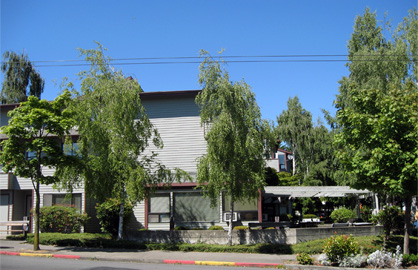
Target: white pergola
313 191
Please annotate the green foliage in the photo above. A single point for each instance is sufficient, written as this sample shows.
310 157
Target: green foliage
287 179
115 134
37 127
391 218
233 120
85 240
216 228
272 178
18 75
366 213
368 244
304 259
377 109
309 216
337 247
61 219
181 228
314 159
342 215
240 228
409 260
108 215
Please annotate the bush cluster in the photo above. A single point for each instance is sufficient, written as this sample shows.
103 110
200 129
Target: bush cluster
304 259
340 246
108 215
216 228
61 219
342 215
391 218
240 228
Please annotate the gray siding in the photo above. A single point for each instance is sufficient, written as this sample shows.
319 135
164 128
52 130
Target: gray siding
178 123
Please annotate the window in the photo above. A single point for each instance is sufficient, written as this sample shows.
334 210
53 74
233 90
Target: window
71 200
70 149
193 207
248 210
159 208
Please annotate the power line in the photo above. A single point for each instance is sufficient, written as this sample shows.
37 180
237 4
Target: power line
180 59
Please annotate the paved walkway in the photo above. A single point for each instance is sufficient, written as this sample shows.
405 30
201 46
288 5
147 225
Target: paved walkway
21 248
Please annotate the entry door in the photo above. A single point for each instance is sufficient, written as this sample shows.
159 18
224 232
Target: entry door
4 211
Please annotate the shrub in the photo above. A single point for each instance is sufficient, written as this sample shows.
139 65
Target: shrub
181 228
409 259
340 246
391 218
342 215
108 215
216 228
240 228
353 261
309 216
366 213
324 260
62 219
304 259
382 258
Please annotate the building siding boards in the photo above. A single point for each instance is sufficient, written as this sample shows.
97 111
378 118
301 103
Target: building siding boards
177 119
178 122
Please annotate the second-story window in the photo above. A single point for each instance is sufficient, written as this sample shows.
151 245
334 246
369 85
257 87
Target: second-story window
70 150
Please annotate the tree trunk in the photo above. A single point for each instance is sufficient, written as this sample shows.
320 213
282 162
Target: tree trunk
230 223
294 160
36 218
408 200
121 212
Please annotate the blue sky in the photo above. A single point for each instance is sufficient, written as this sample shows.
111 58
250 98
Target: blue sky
53 30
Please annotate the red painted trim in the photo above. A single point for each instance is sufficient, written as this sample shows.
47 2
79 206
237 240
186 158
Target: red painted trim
61 256
284 151
9 253
146 213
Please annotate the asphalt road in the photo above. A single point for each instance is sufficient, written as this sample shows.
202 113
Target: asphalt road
38 263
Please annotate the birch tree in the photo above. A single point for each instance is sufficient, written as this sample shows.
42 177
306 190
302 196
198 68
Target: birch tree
115 135
234 163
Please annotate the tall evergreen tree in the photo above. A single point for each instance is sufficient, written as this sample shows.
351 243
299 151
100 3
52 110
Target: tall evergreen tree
20 79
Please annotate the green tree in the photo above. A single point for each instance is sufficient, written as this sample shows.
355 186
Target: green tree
115 137
234 163
34 136
18 75
294 128
377 110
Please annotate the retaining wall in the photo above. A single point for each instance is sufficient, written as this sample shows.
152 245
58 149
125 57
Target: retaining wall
278 236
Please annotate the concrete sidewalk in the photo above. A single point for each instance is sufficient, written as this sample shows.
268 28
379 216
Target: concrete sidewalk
21 248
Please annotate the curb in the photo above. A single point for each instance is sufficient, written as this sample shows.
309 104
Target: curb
40 255
216 263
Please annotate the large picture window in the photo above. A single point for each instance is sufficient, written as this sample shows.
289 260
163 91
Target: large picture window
248 211
70 200
193 207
